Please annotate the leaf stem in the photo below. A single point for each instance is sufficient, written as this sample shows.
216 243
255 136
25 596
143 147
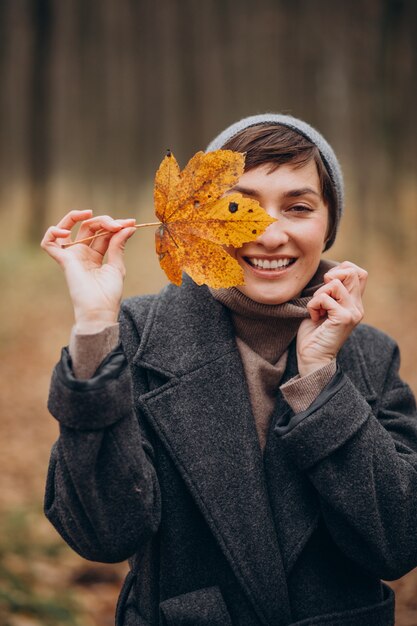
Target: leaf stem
101 233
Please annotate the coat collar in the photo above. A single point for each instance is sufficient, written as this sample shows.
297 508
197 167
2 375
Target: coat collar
185 329
203 416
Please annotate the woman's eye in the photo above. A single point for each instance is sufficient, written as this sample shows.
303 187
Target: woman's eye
300 208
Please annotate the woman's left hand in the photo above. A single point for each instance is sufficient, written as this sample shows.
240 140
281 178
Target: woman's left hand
335 309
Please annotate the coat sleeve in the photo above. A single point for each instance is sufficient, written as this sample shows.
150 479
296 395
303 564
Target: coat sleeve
102 492
363 465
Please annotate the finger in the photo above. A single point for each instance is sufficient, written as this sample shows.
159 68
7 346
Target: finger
53 233
74 217
316 312
116 248
350 300
346 272
347 264
54 236
92 226
331 308
321 306
347 267
337 304
52 240
101 244
349 277
337 290
350 280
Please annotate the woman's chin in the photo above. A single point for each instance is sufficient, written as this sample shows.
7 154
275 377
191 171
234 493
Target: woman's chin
262 296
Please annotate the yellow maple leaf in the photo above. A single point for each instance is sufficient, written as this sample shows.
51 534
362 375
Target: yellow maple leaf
198 220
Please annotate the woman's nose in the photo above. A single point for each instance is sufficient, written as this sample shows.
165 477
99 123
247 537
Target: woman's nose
274 236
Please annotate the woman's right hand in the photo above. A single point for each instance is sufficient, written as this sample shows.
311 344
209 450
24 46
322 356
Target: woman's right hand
95 287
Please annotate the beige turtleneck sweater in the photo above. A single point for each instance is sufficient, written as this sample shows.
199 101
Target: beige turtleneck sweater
263 334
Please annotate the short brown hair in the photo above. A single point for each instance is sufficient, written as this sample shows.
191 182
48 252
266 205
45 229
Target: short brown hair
277 144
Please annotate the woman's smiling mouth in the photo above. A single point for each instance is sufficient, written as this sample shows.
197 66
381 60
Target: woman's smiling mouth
269 264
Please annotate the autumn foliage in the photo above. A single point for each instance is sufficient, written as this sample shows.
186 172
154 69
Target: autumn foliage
200 215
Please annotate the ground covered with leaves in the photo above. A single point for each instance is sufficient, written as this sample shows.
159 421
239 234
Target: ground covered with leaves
42 582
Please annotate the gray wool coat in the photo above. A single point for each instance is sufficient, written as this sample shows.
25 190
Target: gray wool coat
158 461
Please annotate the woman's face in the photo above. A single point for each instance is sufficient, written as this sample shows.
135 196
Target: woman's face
280 263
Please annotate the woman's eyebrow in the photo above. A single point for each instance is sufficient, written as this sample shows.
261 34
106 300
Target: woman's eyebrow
295 193
245 191
292 193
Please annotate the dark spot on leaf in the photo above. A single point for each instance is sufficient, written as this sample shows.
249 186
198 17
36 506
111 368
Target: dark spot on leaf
209 196
169 153
250 211
233 207
254 232
196 204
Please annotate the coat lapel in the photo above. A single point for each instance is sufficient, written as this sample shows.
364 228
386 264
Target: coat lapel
202 414
294 502
352 361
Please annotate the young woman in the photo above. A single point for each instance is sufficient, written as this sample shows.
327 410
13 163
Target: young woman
251 451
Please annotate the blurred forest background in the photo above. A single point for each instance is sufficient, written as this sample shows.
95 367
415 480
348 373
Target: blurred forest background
92 93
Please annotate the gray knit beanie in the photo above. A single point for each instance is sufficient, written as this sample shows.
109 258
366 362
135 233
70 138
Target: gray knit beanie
329 158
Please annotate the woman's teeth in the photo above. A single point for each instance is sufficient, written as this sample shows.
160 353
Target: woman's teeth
266 264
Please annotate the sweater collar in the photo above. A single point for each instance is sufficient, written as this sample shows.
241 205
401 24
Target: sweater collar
269 328
242 305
